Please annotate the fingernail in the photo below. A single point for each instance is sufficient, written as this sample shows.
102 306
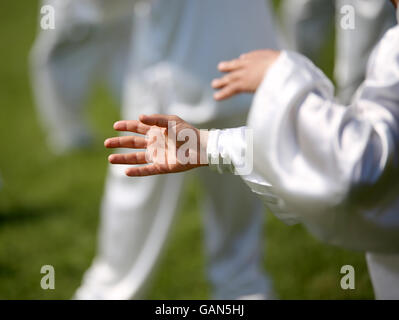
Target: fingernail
117 124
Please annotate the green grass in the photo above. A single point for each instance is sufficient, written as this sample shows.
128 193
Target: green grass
49 205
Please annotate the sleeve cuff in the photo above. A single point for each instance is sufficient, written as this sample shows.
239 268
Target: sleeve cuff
226 150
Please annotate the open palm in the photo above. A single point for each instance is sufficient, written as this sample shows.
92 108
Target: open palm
168 145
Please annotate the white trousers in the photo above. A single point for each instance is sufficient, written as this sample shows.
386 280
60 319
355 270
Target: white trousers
305 25
65 64
137 216
384 273
308 23
353 47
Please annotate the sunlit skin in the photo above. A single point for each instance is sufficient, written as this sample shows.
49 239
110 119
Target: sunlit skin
150 165
241 75
244 74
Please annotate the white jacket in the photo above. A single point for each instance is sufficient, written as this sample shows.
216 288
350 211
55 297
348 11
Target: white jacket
177 45
332 167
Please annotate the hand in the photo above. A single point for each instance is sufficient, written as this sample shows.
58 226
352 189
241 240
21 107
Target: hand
171 145
244 74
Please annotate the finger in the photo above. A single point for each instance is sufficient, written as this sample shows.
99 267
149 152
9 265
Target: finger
227 79
227 66
126 142
159 120
144 171
128 158
227 92
132 126
220 83
253 54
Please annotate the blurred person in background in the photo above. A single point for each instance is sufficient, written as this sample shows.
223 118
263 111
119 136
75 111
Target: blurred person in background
307 24
331 167
174 48
176 45
89 43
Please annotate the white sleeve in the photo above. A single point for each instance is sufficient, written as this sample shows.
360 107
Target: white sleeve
231 151
314 150
334 167
327 161
226 148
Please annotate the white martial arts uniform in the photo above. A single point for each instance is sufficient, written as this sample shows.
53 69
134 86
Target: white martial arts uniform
331 167
177 45
353 47
307 24
90 42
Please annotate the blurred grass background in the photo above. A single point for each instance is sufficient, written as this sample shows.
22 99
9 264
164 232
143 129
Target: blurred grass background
49 205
